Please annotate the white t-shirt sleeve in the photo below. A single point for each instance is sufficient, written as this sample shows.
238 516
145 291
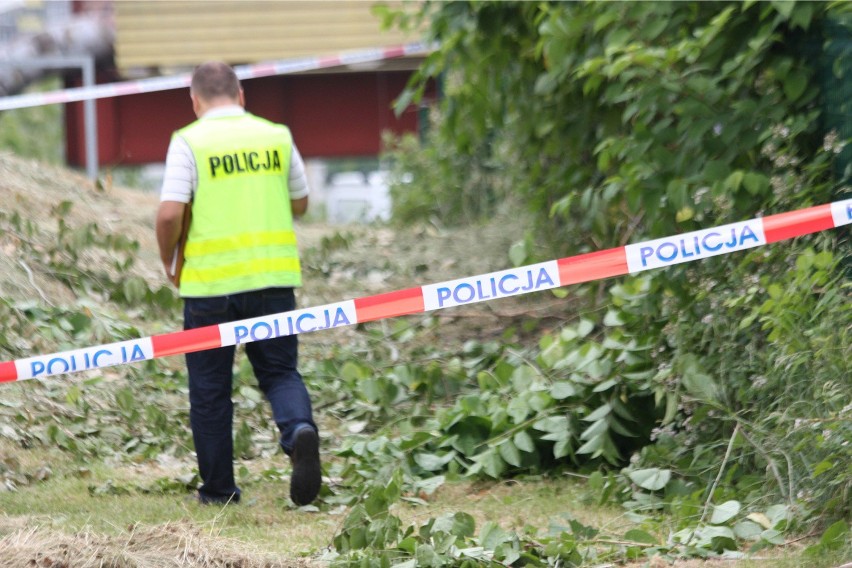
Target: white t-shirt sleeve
298 180
180 177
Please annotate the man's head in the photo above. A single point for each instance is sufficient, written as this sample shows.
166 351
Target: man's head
214 84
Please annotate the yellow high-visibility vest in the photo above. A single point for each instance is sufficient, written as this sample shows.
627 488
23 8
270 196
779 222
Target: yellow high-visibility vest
241 237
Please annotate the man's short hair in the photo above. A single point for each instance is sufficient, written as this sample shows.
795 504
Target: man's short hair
213 80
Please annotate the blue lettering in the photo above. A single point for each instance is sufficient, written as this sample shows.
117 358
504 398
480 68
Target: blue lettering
683 250
240 333
299 323
711 248
98 354
261 325
645 252
457 293
733 242
849 210
748 234
480 294
663 257
340 318
65 365
443 294
36 368
138 354
503 288
543 278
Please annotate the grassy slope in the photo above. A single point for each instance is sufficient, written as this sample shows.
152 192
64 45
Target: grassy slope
265 529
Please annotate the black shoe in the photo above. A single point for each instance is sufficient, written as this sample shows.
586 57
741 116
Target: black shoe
307 477
218 500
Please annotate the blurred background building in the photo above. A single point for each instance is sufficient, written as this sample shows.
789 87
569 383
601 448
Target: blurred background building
337 115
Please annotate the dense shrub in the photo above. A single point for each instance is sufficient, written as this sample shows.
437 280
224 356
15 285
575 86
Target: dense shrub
616 122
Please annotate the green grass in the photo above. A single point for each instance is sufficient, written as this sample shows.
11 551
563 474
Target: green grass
37 132
265 517
267 521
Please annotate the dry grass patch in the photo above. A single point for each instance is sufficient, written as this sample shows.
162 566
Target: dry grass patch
172 545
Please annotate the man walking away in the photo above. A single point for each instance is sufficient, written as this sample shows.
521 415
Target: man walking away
244 180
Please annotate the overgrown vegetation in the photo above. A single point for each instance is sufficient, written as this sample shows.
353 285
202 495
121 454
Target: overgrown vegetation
34 132
709 401
713 390
411 415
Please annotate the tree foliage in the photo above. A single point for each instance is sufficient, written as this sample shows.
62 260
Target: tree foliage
614 122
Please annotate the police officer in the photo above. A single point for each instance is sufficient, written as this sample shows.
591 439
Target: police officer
244 181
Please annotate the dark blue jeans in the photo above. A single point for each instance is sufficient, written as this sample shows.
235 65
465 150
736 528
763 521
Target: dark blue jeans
210 375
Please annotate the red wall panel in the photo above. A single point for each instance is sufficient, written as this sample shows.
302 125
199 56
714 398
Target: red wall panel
330 115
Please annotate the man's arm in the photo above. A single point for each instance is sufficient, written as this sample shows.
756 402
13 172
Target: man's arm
299 206
298 182
179 183
169 226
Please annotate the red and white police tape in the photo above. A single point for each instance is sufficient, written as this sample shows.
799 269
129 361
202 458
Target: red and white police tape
630 259
282 67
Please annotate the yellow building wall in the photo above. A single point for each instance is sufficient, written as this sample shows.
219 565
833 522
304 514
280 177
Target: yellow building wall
177 33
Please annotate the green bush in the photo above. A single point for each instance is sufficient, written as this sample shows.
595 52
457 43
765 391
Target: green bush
616 122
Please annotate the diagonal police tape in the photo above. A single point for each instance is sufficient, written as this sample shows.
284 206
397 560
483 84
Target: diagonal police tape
281 67
630 259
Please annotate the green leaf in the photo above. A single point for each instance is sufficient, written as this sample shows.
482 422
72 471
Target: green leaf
613 318
598 413
724 512
699 385
747 530
352 371
432 462
636 535
562 447
795 84
772 536
492 535
734 180
510 453
584 328
684 214
552 424
427 557
755 183
835 536
597 428
822 467
672 401
518 253
784 7
652 479
592 446
492 463
524 442
562 390
464 525
134 290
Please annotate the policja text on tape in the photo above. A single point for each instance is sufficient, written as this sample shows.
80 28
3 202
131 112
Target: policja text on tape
630 259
